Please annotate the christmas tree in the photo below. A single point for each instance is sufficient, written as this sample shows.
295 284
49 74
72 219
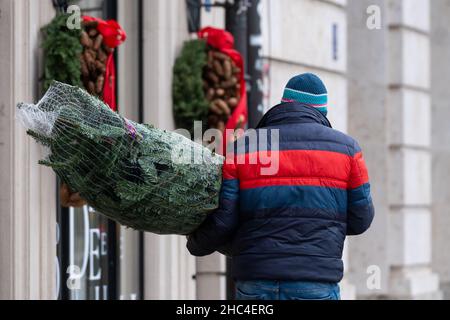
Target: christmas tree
140 176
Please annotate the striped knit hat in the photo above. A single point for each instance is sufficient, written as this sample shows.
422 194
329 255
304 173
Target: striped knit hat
307 88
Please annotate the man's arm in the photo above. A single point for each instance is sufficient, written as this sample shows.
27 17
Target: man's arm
216 231
360 212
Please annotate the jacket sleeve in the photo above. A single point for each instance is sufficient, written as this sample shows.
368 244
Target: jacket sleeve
215 233
360 210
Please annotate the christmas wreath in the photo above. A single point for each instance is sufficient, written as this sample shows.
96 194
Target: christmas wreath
208 83
83 57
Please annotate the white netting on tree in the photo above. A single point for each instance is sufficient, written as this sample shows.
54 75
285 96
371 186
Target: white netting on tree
123 169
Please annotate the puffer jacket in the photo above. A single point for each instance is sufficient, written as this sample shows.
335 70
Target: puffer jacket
285 216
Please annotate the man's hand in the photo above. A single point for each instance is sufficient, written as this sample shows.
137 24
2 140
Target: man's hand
70 199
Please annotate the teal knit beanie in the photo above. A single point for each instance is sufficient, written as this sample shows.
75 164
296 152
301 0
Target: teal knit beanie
308 89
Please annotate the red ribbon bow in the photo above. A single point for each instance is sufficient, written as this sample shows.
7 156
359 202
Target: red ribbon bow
112 32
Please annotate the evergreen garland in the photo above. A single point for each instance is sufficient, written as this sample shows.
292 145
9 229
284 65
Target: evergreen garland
190 103
62 50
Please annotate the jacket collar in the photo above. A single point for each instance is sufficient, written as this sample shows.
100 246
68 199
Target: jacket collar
293 112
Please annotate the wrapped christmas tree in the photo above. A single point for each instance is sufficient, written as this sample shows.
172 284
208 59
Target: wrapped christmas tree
142 177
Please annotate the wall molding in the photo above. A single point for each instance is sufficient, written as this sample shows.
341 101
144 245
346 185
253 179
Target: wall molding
27 204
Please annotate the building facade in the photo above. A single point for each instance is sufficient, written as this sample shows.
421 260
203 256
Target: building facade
385 66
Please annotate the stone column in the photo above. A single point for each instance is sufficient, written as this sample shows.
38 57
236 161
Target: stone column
27 198
409 111
211 277
128 102
440 115
367 90
169 268
210 273
390 114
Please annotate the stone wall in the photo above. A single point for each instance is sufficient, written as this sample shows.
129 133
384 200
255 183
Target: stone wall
27 198
440 115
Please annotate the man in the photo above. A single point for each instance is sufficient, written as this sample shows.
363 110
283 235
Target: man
285 232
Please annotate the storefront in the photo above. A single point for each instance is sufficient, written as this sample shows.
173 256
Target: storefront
97 259
94 257
50 252
83 255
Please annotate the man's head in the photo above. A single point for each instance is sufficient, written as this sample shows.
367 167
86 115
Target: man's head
307 88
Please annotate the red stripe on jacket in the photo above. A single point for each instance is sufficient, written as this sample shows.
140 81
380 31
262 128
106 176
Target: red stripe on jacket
229 171
298 167
359 174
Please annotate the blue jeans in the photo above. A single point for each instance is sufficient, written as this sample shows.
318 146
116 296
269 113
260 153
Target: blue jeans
286 290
